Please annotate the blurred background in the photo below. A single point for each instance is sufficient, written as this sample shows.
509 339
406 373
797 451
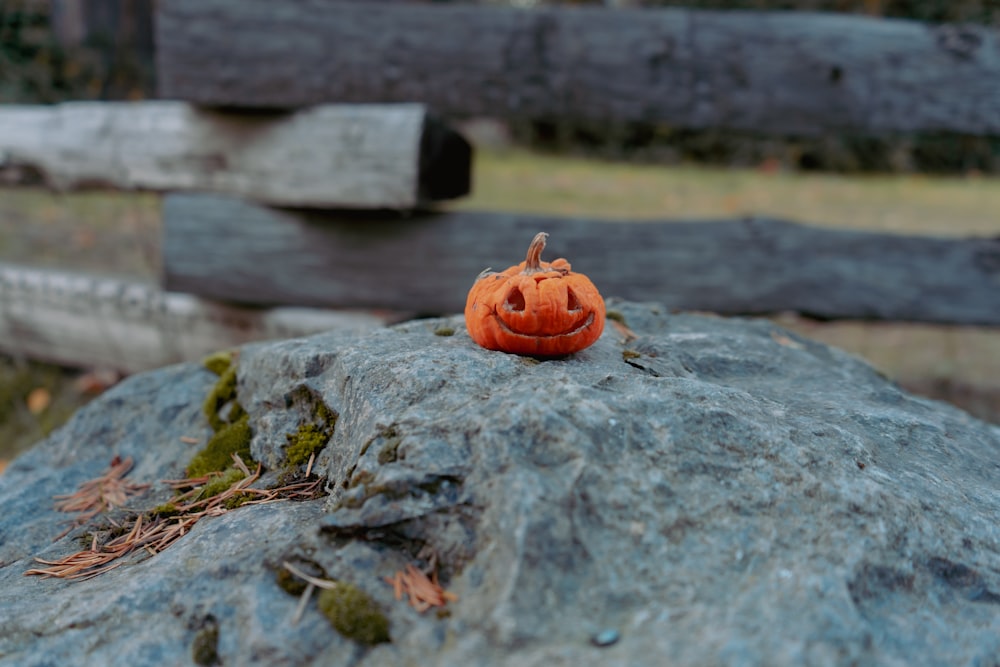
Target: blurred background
940 183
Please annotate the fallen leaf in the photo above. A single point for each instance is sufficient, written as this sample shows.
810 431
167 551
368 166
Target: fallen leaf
38 399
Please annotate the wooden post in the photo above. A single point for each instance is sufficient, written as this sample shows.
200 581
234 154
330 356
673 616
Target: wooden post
352 156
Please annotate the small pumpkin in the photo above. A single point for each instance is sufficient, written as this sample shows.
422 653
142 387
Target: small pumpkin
535 308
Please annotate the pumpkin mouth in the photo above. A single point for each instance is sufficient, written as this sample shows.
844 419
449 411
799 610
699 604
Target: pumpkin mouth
580 328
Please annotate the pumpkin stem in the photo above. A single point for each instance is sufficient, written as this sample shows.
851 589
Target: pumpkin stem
533 262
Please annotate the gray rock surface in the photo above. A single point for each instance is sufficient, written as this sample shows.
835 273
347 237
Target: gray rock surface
714 492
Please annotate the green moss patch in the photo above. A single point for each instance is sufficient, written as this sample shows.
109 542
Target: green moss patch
217 454
444 331
616 316
228 419
312 437
223 393
293 585
165 511
238 499
205 647
308 440
324 414
354 614
221 483
218 362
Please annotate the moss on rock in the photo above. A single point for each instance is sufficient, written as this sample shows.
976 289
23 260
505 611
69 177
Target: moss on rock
616 316
222 393
221 483
205 647
238 499
308 440
324 414
219 362
312 437
292 584
354 614
217 454
166 510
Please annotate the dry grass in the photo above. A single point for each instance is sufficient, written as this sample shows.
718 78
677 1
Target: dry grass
115 233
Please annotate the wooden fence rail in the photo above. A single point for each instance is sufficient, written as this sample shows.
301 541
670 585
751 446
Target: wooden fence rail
85 320
779 73
357 156
229 249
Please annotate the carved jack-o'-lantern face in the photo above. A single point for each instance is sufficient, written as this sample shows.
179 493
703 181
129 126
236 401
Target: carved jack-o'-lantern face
535 308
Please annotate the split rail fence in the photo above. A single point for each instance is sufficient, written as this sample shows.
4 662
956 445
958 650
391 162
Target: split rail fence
302 157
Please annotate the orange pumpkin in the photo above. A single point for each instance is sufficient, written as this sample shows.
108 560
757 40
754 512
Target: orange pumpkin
536 308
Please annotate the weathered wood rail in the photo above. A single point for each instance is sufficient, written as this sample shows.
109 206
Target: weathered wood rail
78 319
780 73
353 156
228 249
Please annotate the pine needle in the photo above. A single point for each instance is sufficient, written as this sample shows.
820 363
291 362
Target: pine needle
422 592
312 583
152 533
105 492
101 493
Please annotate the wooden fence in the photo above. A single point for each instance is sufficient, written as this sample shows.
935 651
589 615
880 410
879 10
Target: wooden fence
302 160
784 73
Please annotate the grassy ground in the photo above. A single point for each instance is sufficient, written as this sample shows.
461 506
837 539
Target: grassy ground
526 182
119 234
111 233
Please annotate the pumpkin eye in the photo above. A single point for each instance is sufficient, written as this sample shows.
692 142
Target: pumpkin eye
514 301
572 303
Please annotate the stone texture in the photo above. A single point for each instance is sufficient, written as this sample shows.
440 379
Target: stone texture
714 492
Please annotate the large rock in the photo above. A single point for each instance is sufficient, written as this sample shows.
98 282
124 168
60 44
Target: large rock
713 492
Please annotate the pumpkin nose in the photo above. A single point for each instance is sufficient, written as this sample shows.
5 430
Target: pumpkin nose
572 303
514 301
